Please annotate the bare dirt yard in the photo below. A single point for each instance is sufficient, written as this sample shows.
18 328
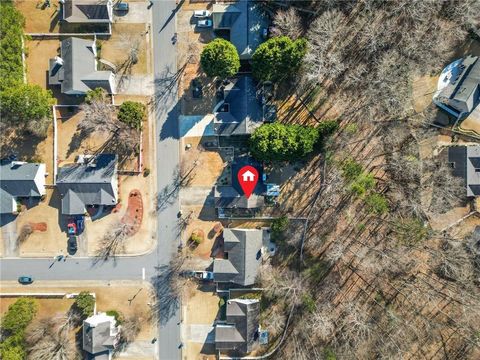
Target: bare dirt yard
131 299
125 39
144 239
38 18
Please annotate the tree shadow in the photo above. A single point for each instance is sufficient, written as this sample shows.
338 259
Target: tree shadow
167 302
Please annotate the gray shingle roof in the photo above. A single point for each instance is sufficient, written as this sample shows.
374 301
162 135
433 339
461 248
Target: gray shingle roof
93 183
7 202
79 74
227 197
239 330
244 256
97 335
466 160
18 178
463 90
245 112
87 11
245 21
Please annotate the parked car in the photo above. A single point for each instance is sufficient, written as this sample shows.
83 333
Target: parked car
71 228
201 13
80 222
204 23
204 275
72 244
122 6
25 280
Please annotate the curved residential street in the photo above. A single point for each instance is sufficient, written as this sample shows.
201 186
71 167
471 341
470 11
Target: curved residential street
167 152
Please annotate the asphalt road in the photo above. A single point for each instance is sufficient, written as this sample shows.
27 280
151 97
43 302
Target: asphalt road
133 268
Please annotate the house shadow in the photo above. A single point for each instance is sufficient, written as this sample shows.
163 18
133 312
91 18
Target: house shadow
56 202
55 20
7 219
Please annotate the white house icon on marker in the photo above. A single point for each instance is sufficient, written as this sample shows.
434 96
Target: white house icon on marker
248 176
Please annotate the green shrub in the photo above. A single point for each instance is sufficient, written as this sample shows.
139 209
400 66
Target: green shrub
329 354
411 231
278 58
280 142
308 303
278 227
85 304
11 30
132 113
327 128
119 318
14 323
351 169
221 302
97 94
196 238
220 58
376 203
362 184
146 172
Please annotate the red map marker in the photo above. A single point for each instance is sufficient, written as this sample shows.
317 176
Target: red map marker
248 178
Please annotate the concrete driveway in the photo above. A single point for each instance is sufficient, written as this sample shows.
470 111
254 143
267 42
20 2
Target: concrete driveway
196 125
138 13
197 195
136 85
200 333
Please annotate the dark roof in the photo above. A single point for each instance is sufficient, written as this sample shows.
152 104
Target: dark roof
463 89
79 74
91 183
245 21
244 110
18 178
6 202
240 329
87 11
244 249
97 336
466 160
227 197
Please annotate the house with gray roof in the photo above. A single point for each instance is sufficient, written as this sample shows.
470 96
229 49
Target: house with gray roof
240 22
91 181
240 330
100 336
20 179
87 11
75 70
465 162
244 250
459 87
238 111
227 197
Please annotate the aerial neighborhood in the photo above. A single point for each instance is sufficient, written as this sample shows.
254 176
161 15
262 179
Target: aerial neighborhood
239 179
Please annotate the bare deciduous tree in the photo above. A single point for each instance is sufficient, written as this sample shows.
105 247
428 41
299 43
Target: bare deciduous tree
113 241
287 23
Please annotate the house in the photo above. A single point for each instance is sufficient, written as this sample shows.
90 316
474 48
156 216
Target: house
87 11
244 249
237 111
465 161
100 336
459 87
75 70
240 330
227 197
92 181
20 179
242 23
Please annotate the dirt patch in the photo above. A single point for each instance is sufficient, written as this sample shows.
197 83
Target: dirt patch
38 18
116 49
422 92
41 226
134 213
210 163
208 247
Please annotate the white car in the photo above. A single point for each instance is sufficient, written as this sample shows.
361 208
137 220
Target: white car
204 23
201 13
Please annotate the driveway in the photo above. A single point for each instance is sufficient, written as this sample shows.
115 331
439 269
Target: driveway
200 333
136 85
197 196
196 125
138 13
9 235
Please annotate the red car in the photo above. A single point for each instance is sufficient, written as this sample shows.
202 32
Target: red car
72 228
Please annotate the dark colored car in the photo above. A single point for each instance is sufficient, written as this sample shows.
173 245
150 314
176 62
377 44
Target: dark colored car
122 6
72 244
25 280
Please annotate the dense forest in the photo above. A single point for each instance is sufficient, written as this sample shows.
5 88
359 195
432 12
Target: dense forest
371 278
